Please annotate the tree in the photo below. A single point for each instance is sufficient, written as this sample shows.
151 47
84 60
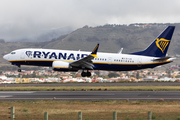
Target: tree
127 73
33 75
137 75
168 73
97 73
113 75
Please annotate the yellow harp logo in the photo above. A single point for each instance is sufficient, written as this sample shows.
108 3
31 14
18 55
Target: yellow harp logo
162 44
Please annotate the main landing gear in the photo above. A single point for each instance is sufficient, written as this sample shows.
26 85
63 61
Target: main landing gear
86 74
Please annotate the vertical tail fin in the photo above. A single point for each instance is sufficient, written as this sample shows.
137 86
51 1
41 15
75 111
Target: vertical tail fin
160 45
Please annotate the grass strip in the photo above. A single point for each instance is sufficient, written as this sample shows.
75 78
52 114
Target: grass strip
91 110
93 88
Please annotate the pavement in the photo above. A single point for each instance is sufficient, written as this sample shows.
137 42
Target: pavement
90 95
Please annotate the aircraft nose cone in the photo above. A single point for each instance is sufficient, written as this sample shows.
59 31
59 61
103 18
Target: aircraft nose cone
6 57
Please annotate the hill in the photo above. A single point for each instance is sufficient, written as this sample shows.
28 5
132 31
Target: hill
132 38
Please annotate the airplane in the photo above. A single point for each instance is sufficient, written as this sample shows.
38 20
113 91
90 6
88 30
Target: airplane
66 60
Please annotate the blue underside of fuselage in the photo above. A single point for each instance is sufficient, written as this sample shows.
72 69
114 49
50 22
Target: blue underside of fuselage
110 67
117 67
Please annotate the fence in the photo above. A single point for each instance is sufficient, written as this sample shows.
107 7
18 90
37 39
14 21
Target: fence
85 116
79 115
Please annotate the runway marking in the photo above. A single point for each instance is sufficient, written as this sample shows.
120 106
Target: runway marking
17 92
5 96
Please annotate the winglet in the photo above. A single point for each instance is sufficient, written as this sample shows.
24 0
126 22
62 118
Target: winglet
94 52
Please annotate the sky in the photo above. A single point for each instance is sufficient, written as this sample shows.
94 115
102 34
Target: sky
21 19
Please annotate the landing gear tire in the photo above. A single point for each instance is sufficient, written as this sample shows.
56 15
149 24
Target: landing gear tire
19 67
86 74
83 74
19 70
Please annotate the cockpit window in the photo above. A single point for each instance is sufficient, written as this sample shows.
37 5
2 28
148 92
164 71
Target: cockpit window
13 53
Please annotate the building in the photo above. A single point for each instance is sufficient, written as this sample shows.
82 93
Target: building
22 80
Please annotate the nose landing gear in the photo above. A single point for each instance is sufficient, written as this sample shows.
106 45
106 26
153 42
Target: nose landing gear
19 68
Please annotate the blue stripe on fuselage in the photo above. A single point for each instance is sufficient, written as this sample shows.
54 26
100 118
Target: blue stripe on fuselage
121 67
35 63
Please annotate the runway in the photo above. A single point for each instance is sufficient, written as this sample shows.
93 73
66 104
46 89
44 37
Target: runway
93 84
90 95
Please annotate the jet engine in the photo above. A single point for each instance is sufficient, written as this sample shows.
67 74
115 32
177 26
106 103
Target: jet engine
62 66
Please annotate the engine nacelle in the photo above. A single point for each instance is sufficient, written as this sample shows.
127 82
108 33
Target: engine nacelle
62 66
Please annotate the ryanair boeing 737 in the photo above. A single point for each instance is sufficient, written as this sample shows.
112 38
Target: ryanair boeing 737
65 60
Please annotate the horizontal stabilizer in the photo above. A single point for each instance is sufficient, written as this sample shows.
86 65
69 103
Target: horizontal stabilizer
161 59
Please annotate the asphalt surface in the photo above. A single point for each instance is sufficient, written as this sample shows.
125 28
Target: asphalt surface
90 95
94 84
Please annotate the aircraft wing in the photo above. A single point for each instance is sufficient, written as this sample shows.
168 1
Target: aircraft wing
86 62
